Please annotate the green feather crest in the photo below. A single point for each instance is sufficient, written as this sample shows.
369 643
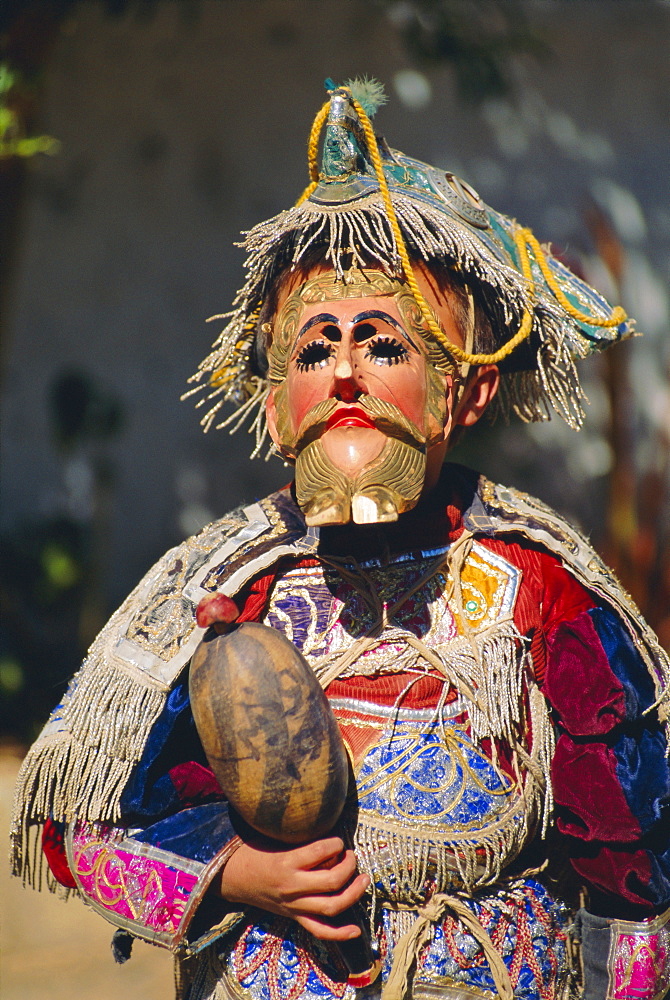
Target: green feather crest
368 92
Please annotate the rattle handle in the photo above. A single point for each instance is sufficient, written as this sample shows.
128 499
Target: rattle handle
357 953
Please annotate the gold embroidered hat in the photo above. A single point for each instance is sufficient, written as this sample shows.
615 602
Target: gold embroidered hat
370 205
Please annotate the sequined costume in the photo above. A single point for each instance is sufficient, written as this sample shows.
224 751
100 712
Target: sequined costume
503 703
453 792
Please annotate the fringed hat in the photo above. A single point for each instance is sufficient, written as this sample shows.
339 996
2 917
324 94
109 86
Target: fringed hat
365 207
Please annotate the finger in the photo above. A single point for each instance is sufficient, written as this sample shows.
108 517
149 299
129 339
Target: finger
324 880
317 852
327 932
339 864
329 905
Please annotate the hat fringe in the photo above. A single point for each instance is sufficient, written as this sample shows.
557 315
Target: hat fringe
361 236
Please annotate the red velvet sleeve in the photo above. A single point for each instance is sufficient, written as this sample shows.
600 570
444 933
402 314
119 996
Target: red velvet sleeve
610 771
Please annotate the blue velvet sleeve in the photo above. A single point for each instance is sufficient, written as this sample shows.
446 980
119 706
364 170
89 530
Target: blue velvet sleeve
173 772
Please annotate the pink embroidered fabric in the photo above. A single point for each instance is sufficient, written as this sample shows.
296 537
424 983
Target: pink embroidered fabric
131 881
640 959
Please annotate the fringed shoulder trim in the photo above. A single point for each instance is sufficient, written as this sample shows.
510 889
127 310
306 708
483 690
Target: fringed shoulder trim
499 510
83 759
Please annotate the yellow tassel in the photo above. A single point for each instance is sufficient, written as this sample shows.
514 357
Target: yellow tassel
618 314
313 152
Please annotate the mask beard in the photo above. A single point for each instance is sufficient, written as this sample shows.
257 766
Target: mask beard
381 490
381 473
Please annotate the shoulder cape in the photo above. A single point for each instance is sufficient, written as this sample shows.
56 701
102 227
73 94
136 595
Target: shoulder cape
83 759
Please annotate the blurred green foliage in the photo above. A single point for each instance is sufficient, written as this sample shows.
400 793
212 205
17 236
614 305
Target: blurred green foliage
13 141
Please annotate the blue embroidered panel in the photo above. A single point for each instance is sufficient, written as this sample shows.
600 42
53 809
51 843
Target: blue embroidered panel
274 959
531 927
437 779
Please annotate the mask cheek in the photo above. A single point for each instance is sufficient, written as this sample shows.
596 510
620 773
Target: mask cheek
404 385
279 420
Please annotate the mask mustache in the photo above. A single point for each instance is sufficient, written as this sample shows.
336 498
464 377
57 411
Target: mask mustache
387 418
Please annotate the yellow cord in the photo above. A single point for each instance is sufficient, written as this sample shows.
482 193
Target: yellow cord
313 152
523 239
618 314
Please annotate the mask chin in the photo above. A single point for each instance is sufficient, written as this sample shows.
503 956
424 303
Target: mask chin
385 488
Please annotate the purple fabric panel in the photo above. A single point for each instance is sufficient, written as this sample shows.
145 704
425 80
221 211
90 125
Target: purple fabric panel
591 803
579 682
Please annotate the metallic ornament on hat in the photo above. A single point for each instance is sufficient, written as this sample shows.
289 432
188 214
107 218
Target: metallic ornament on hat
368 206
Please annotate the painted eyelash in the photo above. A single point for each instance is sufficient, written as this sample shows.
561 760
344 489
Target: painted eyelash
386 351
313 356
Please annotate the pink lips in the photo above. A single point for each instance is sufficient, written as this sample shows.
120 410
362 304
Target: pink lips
349 416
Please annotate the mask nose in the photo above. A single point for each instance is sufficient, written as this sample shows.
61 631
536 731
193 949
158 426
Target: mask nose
347 385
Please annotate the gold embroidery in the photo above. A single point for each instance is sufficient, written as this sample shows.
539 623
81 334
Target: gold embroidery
486 589
167 619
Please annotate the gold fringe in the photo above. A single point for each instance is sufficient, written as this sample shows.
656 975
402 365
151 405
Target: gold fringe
66 776
402 861
361 235
495 670
498 670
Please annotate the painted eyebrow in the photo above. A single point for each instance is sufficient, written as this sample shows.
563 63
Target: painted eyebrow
321 318
379 314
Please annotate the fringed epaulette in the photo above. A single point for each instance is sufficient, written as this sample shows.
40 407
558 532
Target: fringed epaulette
83 759
500 510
